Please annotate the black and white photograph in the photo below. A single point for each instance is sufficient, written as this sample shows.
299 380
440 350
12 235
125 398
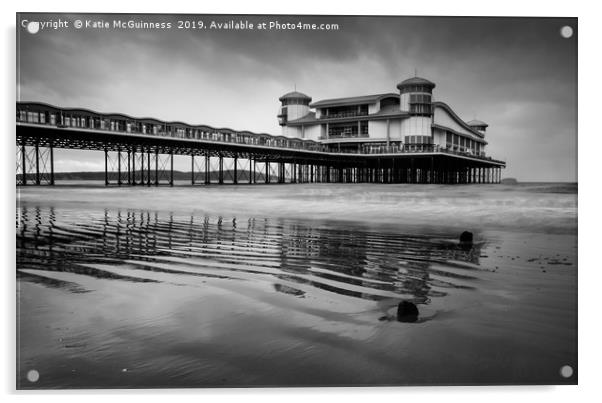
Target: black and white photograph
295 200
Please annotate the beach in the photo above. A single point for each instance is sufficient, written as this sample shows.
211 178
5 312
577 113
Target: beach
295 285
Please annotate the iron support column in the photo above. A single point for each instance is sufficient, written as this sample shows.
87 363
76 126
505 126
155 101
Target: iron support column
431 172
148 166
157 166
207 169
235 180
134 166
221 169
129 167
51 164
142 166
37 149
24 162
267 171
106 168
119 167
192 169
250 171
171 168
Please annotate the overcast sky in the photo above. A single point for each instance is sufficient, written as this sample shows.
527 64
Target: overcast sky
518 75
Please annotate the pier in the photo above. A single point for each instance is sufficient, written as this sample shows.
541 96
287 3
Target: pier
140 152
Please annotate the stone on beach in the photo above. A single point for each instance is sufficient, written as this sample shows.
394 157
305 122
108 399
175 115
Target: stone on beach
466 238
407 312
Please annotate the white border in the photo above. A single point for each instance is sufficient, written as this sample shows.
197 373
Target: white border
589 183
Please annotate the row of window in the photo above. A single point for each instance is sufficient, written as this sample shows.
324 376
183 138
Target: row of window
295 101
120 125
420 99
421 109
348 129
418 140
460 143
32 117
344 111
416 88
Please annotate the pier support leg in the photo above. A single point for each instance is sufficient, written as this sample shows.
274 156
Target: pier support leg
119 167
133 167
148 167
251 174
235 179
37 151
51 150
267 171
129 167
221 169
192 169
171 168
106 167
157 166
23 164
432 171
207 169
142 167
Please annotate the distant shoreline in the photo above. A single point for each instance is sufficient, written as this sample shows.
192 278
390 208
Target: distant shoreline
185 175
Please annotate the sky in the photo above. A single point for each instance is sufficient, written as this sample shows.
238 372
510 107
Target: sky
519 75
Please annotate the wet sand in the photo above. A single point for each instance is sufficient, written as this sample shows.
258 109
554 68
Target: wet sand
295 285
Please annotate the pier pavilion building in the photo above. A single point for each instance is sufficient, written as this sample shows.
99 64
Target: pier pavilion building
408 120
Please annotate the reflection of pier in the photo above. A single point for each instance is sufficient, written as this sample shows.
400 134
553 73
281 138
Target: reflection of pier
352 262
141 152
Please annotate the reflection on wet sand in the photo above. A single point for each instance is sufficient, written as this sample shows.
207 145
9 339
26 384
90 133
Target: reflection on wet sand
136 296
354 261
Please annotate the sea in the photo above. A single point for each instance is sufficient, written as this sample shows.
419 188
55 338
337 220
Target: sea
277 285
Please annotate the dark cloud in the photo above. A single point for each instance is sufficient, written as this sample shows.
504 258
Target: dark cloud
517 74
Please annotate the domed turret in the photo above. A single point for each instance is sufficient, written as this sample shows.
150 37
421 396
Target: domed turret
294 105
478 125
295 97
416 81
416 96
